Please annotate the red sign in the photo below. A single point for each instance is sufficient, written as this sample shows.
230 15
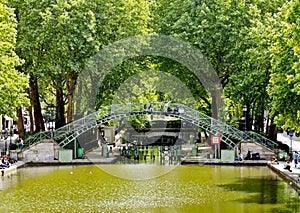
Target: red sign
215 140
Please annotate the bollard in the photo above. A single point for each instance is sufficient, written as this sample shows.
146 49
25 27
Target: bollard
104 150
194 150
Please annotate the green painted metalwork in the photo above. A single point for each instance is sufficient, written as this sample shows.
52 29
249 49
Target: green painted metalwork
229 135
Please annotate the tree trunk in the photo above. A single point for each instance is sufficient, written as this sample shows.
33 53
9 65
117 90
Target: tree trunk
261 121
216 103
70 89
35 102
273 132
31 120
261 116
267 124
60 108
20 122
70 108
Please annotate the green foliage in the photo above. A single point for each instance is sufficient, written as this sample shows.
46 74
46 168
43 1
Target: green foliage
12 82
152 79
57 38
252 45
220 29
284 82
139 123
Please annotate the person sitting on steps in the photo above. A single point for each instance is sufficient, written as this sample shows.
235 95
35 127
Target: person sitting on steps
287 166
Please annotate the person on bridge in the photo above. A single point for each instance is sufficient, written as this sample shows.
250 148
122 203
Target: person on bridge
145 108
150 108
296 158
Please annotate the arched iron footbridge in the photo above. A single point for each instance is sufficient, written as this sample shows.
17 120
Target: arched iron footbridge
228 135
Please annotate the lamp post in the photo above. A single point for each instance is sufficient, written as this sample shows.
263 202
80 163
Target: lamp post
291 134
5 138
10 135
51 108
245 123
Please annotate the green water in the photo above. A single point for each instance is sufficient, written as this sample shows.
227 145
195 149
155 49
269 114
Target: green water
192 188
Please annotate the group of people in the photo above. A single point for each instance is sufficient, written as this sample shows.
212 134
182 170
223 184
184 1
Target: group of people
164 108
295 158
148 109
6 162
274 160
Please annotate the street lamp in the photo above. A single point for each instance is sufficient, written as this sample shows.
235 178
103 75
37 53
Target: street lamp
291 134
51 109
10 135
51 119
5 145
245 116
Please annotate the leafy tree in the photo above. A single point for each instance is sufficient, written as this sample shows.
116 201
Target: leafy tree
68 40
12 82
284 83
248 86
29 48
116 20
152 79
238 38
217 28
57 38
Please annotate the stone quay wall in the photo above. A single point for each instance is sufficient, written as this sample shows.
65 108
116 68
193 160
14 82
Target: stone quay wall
43 151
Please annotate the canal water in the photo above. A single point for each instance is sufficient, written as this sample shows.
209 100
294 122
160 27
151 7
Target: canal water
184 188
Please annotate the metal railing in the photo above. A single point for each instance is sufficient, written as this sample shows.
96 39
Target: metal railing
228 134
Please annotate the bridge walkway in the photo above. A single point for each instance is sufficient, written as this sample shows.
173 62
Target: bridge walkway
228 134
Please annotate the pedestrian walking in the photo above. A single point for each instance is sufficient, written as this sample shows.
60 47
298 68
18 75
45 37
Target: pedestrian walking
150 109
21 144
145 108
296 158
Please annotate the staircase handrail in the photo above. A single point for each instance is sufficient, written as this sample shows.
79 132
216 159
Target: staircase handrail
189 114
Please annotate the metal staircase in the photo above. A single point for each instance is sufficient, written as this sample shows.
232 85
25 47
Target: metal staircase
228 135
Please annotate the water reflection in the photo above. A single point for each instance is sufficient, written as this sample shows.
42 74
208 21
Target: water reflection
142 163
268 189
24 174
262 190
183 189
8 180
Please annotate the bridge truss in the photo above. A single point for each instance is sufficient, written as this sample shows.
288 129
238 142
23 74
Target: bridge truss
229 135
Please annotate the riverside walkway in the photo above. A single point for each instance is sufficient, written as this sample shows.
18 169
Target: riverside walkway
290 177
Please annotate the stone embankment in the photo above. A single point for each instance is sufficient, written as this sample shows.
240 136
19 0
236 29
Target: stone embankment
290 177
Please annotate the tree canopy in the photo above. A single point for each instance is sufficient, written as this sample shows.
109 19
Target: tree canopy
12 82
253 47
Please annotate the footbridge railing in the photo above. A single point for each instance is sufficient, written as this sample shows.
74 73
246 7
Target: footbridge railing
228 134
